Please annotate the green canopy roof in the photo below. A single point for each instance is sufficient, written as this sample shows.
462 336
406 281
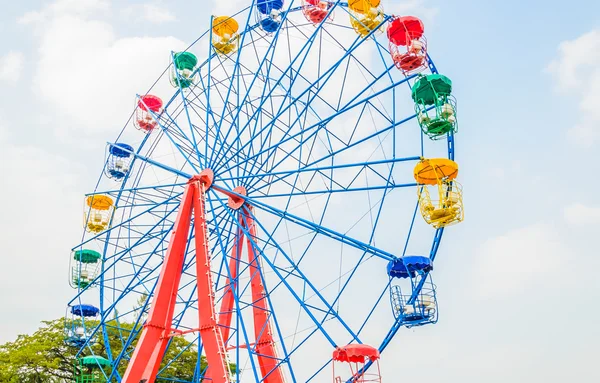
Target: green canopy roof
428 89
86 256
185 60
94 361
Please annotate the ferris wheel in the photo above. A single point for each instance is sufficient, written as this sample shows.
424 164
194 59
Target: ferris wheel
277 216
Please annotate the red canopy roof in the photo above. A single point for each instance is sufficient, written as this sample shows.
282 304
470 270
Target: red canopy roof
152 102
402 30
355 353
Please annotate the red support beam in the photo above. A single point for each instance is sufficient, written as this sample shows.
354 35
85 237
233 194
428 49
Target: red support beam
210 332
151 347
264 344
150 350
214 332
228 300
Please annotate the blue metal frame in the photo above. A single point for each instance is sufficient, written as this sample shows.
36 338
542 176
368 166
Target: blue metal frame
272 126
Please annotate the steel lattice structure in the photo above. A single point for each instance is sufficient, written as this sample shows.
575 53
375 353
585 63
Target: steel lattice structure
265 214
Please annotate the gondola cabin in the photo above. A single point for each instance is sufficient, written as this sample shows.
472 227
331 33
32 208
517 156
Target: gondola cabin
414 301
269 14
349 364
147 111
316 11
434 105
98 212
445 207
118 161
365 16
225 37
89 369
84 267
183 70
407 44
77 326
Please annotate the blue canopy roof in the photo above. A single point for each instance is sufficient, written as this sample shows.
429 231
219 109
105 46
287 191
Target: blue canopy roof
121 150
85 310
266 6
405 267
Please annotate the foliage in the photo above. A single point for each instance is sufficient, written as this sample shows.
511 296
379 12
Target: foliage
40 357
43 357
182 355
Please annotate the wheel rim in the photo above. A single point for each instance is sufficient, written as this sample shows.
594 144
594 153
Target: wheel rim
306 174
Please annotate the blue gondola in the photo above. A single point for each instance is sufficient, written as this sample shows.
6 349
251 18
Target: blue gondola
77 331
419 307
268 14
118 162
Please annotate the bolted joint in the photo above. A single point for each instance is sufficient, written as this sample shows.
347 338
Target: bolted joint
206 178
234 201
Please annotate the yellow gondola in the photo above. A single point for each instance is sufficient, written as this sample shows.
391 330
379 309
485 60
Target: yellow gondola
366 15
447 209
225 38
98 212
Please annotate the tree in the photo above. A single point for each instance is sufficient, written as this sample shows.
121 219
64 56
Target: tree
43 357
40 357
181 355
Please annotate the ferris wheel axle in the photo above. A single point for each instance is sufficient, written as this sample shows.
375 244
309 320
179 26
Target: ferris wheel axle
236 197
213 328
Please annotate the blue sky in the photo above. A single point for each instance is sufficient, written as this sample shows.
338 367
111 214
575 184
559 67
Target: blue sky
518 285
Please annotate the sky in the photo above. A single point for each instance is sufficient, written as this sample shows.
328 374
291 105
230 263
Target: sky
516 281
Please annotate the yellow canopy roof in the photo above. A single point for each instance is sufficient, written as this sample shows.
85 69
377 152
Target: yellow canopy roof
363 6
222 25
430 172
99 202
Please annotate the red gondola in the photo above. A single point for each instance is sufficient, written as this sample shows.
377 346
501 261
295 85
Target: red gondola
357 357
146 107
407 44
316 11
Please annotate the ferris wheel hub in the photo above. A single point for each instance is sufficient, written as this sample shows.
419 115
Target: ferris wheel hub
236 202
236 196
206 178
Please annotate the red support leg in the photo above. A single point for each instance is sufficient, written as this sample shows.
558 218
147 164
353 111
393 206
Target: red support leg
151 347
264 344
228 300
210 332
156 333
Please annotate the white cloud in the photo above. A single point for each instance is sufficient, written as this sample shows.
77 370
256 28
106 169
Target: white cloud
576 58
580 214
31 17
11 65
89 74
85 76
577 70
79 7
3 131
41 217
151 13
61 7
513 262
